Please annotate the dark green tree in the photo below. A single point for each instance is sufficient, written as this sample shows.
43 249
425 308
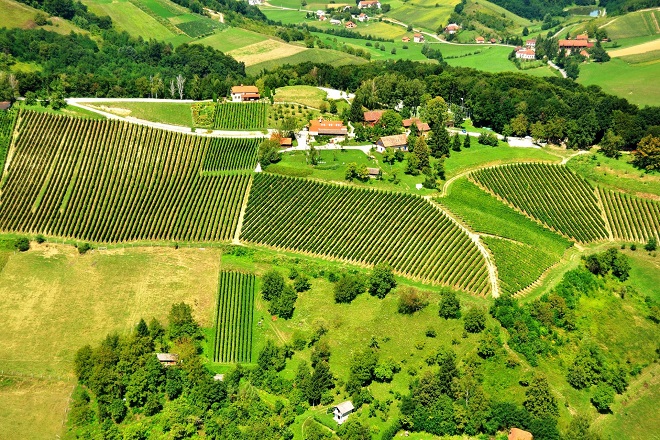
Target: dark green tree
181 322
603 397
611 144
456 143
466 141
450 307
539 400
284 304
272 285
268 152
348 288
474 320
381 280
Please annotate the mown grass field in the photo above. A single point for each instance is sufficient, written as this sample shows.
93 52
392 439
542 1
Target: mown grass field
412 52
634 24
165 112
333 57
231 38
265 51
66 111
482 57
128 17
19 15
426 14
306 95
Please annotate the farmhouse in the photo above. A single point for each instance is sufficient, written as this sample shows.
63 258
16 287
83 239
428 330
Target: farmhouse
326 128
418 38
167 359
342 410
525 54
363 17
372 117
452 28
422 127
397 141
405 39
570 45
244 93
350 25
531 44
480 40
320 13
519 434
369 4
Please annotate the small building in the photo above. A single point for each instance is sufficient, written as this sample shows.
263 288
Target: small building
397 142
452 28
422 127
531 44
585 54
363 17
342 410
369 4
480 40
335 22
372 117
167 359
519 434
323 18
418 38
5 105
405 39
244 93
525 54
350 25
286 142
219 377
327 128
493 41
582 37
254 2
320 13
374 173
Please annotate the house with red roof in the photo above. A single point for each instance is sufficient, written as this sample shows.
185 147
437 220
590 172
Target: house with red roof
418 38
244 93
480 40
369 4
327 128
452 28
372 117
422 127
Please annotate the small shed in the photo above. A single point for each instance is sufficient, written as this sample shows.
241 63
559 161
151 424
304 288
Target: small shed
5 105
519 434
350 25
405 39
374 173
167 359
286 142
342 410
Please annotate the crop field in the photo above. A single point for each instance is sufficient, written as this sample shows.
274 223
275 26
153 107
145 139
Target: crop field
426 14
7 120
228 154
264 51
231 38
631 218
333 57
552 194
110 181
522 249
364 227
234 318
635 24
240 116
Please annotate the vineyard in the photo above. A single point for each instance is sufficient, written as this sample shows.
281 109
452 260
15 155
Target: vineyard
225 154
364 227
631 218
240 116
234 318
7 119
551 194
110 181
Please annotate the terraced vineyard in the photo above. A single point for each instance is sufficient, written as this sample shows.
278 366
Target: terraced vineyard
234 318
110 181
631 218
225 154
240 116
551 194
365 227
7 119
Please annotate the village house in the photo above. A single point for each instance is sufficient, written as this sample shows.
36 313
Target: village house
397 142
570 45
452 28
418 38
244 93
327 128
372 117
369 4
167 359
585 54
342 410
320 13
519 434
493 41
405 39
480 40
530 44
422 127
363 17
525 54
350 25
335 22
254 2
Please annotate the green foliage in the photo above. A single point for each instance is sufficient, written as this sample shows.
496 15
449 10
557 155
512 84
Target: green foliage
181 322
651 245
539 400
488 139
381 280
474 320
284 304
272 285
22 244
603 397
84 248
611 144
361 370
450 307
354 430
411 300
301 283
348 288
610 261
240 116
268 152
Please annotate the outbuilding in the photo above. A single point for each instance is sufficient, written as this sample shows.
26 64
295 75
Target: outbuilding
167 359
342 410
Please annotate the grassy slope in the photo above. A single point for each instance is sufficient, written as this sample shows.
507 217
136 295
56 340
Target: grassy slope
166 113
128 17
413 51
68 111
231 38
634 24
19 15
333 57
306 95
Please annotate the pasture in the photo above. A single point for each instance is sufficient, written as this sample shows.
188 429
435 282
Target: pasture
265 51
20 15
231 38
383 52
333 57
306 95
634 24
162 112
128 17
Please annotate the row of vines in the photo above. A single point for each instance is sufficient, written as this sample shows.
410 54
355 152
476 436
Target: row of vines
7 119
552 194
234 318
365 227
631 218
226 154
240 116
110 181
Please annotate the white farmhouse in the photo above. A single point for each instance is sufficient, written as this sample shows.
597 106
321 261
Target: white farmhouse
342 411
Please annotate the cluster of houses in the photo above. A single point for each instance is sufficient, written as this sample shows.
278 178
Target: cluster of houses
362 17
482 40
528 52
417 38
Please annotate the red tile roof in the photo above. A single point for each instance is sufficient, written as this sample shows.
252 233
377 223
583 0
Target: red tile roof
574 43
373 116
244 89
327 127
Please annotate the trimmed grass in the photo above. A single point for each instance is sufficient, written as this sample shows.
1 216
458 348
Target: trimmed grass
644 269
287 16
265 51
647 57
413 52
423 13
635 82
33 408
616 174
165 113
484 57
128 17
19 15
231 39
306 95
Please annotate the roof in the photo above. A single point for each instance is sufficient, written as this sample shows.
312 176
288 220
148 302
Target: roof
421 126
350 24
526 52
373 116
519 434
480 39
249 94
405 39
167 357
532 41
394 140
452 26
417 35
584 53
574 43
373 172
369 2
327 127
582 37
4 105
286 141
245 89
347 406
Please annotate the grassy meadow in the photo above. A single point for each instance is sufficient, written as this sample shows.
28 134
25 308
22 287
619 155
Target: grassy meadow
306 95
128 17
20 15
165 112
333 57
231 38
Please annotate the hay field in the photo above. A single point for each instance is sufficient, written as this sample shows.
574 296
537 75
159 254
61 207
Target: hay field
264 51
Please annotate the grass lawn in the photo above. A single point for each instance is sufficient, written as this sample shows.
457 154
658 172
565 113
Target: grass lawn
413 51
425 14
33 408
231 38
287 16
19 15
166 113
644 269
482 57
616 174
306 95
265 51
128 17
635 24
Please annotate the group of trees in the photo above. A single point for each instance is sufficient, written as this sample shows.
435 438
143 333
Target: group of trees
280 295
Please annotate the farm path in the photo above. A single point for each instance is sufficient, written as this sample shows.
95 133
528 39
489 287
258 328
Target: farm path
554 66
80 102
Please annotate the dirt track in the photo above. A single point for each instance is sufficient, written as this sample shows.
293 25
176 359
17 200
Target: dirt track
634 50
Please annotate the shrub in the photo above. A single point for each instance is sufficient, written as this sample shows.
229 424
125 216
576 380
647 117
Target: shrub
603 398
348 288
488 139
411 301
651 245
381 280
40 239
301 283
22 244
450 307
83 248
272 285
475 320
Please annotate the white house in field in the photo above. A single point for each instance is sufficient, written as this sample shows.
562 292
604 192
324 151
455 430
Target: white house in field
342 411
244 93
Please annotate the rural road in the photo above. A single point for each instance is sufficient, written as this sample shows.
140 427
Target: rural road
554 66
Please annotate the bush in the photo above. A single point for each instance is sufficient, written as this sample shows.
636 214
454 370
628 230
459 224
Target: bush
301 283
381 280
651 245
488 139
22 244
411 301
450 307
603 398
83 248
475 320
272 285
40 239
348 288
